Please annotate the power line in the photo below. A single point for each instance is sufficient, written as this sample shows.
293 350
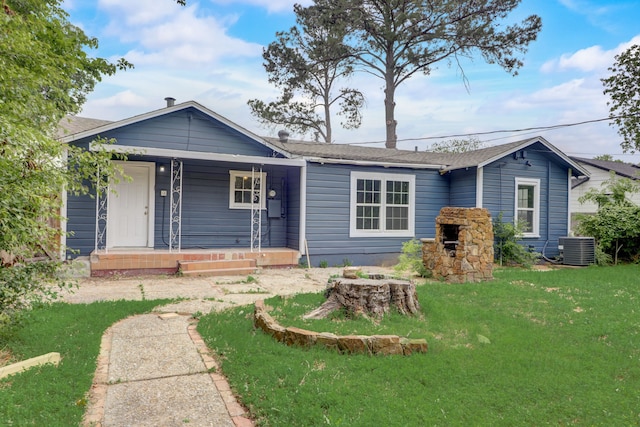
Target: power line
493 132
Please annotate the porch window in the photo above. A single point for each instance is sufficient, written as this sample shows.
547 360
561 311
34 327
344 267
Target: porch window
382 205
528 206
242 189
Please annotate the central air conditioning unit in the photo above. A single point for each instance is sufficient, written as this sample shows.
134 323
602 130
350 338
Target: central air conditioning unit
579 251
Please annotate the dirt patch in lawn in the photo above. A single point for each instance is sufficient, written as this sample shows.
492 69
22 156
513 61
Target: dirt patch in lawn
220 291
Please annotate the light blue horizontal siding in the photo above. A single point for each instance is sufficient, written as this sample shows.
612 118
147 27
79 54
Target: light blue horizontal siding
499 193
207 221
188 130
328 206
292 203
81 222
463 188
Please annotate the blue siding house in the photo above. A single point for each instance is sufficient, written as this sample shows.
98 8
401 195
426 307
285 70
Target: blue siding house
204 189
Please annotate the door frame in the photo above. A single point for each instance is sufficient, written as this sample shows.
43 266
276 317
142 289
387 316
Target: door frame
151 210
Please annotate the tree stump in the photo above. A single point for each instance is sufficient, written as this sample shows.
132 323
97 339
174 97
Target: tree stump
373 297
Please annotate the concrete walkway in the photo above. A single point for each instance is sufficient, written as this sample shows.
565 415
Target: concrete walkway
155 370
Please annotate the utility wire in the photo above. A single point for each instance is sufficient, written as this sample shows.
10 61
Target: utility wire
493 132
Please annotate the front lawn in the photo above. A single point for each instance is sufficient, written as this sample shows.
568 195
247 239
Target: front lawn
50 396
564 349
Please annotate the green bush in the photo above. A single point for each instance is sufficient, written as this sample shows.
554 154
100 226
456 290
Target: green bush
411 259
24 285
616 225
507 250
616 228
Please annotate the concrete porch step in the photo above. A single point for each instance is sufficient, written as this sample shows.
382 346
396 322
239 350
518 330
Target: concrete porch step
217 268
221 272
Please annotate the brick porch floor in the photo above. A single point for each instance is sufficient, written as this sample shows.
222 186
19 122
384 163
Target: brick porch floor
150 261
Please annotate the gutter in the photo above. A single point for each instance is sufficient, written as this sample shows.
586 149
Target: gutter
196 155
322 160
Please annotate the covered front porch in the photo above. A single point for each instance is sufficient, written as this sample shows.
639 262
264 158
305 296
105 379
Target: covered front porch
197 216
190 262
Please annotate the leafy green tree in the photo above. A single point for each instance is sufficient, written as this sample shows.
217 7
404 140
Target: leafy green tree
613 191
395 39
616 225
456 145
46 74
616 229
604 157
306 63
623 87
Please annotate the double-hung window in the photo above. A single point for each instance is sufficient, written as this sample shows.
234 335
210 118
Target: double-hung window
246 189
382 205
528 206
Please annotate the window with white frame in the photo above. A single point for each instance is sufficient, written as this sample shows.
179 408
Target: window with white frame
528 206
382 205
246 187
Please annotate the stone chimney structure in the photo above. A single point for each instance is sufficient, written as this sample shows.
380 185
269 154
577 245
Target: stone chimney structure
462 250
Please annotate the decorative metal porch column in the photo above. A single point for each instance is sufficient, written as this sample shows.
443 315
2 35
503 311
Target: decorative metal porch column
256 210
102 200
175 216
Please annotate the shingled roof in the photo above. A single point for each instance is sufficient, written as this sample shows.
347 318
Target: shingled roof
349 153
627 170
71 125
446 161
443 161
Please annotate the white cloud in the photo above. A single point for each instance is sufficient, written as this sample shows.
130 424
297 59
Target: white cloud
182 38
590 59
126 98
139 12
598 15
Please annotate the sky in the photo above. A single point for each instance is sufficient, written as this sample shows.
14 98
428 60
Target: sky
211 52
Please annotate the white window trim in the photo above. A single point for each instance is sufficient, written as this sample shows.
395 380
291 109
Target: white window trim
232 177
353 232
536 205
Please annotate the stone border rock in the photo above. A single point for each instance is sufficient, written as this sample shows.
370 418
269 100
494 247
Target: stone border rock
350 344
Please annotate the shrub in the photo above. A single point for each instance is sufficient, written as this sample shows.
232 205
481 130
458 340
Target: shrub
411 259
23 285
507 250
616 225
616 228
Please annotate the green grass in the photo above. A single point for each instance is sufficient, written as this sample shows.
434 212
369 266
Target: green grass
564 350
55 396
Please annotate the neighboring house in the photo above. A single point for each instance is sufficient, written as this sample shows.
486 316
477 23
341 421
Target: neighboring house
599 172
204 185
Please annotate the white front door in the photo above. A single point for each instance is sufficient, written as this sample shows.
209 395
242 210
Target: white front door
129 207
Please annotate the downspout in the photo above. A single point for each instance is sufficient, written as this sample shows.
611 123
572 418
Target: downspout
303 210
500 197
548 198
63 217
569 198
479 186
546 243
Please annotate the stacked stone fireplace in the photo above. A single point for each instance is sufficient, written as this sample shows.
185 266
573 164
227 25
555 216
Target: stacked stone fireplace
462 250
